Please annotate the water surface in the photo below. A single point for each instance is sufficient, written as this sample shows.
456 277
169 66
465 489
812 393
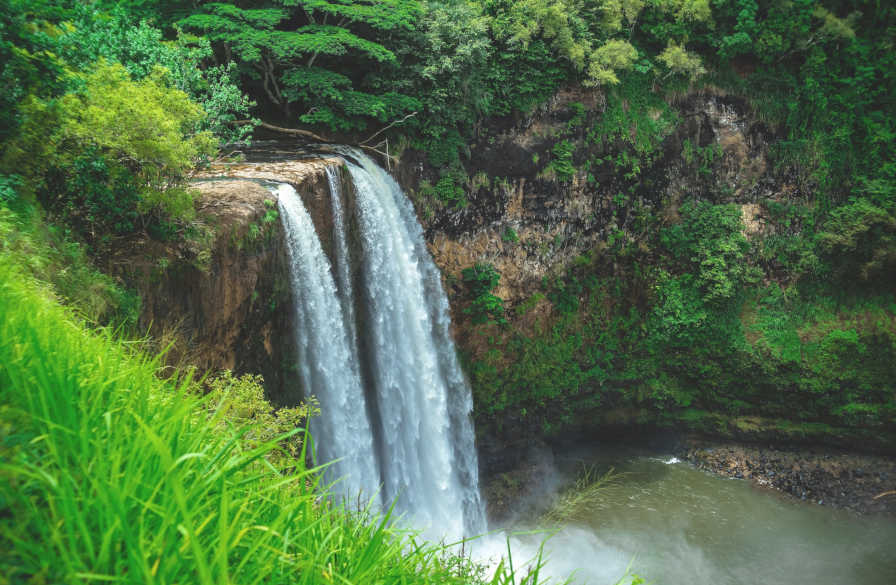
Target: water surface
676 525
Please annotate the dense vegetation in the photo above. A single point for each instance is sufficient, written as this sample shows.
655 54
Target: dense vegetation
677 316
111 473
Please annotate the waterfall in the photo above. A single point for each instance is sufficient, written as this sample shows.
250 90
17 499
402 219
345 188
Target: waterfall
343 260
428 456
387 324
327 360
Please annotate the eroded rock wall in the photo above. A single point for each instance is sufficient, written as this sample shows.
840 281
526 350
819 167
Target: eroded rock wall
537 222
529 224
222 298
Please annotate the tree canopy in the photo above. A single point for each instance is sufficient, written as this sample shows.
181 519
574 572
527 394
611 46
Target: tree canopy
313 53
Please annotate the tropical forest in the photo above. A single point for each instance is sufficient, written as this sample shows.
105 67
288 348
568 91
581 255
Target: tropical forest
474 292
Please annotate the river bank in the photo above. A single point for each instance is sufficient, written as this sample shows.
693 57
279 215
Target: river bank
840 479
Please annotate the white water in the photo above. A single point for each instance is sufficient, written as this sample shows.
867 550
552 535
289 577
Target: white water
327 360
343 260
398 342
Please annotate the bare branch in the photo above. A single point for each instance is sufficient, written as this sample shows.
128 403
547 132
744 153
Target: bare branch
317 138
389 158
395 123
282 130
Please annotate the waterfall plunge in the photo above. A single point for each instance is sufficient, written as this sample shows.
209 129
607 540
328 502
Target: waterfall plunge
328 360
414 441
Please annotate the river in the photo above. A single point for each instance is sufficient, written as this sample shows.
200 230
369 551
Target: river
675 525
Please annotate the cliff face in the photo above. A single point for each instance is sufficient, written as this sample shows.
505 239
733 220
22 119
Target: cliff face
229 298
551 203
571 204
224 298
529 223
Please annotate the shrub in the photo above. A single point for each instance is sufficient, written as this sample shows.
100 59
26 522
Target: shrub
484 306
710 245
859 239
561 163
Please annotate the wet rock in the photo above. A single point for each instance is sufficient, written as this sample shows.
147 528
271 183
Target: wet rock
827 478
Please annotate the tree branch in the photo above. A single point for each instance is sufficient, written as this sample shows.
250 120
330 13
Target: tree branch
269 65
266 84
395 123
282 130
315 137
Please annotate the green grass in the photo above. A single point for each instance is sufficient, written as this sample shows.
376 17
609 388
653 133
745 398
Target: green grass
49 254
110 474
582 497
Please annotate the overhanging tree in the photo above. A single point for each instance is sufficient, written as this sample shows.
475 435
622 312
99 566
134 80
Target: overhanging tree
315 54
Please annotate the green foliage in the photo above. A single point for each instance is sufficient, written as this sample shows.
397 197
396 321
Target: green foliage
520 78
561 161
295 64
581 35
783 354
94 194
259 232
825 79
143 123
711 247
110 471
29 59
679 61
859 239
484 306
449 189
697 332
444 64
113 151
633 126
702 157
141 49
562 367
615 55
9 188
52 257
239 402
102 151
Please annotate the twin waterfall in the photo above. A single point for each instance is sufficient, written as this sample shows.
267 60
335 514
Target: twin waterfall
375 348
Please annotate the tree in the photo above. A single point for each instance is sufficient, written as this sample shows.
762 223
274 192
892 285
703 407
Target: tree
141 49
29 62
318 63
595 38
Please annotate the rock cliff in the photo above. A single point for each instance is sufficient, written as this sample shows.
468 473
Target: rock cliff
222 297
529 223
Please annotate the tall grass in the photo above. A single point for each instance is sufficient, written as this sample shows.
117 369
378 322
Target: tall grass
51 255
583 496
110 474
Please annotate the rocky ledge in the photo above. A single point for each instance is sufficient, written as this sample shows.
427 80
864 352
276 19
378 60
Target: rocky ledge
856 482
221 296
